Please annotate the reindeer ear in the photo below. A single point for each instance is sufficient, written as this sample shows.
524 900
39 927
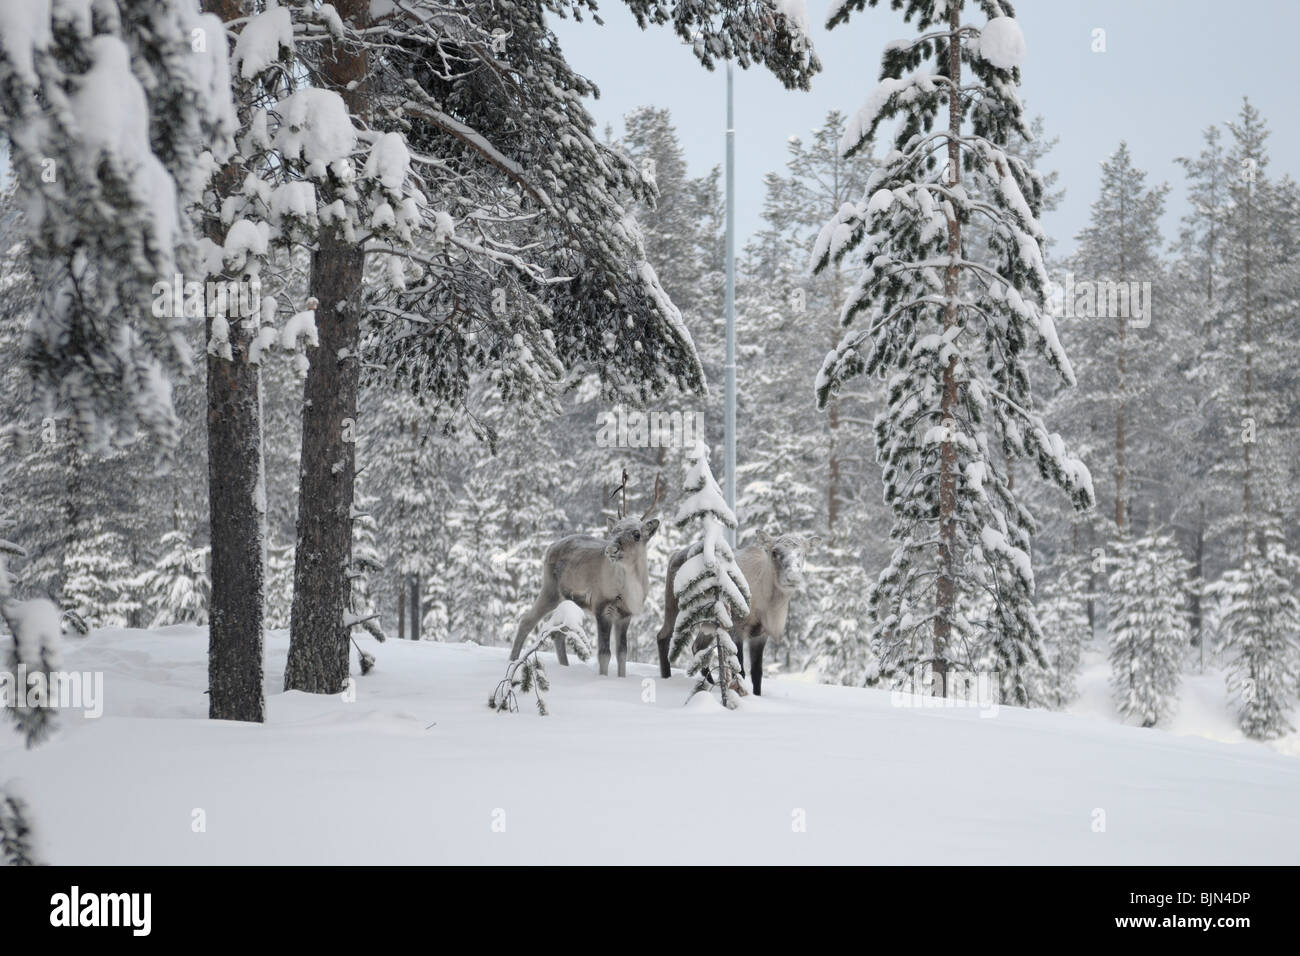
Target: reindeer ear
764 538
609 524
649 528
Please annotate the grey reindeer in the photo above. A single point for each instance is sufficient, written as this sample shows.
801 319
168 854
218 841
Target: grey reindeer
606 577
773 569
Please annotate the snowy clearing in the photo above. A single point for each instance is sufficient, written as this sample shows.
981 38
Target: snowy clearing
418 770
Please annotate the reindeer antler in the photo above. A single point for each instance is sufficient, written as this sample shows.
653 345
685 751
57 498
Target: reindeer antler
622 509
659 493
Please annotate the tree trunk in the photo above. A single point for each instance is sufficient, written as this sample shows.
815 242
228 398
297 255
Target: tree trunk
318 638
833 420
401 608
1195 614
946 586
1121 407
1247 500
416 620
235 502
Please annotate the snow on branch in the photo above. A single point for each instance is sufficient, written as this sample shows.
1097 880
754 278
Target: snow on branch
526 674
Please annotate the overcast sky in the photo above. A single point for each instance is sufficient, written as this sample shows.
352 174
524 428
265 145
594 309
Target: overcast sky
1171 68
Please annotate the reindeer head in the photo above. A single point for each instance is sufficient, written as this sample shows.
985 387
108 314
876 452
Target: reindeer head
629 535
787 553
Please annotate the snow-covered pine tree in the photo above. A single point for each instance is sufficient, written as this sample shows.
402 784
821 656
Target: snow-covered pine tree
366 561
100 583
1148 625
279 584
800 316
1063 616
1200 428
112 113
35 625
1255 346
178 587
1260 625
1121 372
473 580
710 589
836 625
953 337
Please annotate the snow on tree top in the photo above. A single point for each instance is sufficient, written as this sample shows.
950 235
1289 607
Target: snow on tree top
703 494
796 11
1001 43
113 117
261 41
566 616
863 122
25 27
389 161
316 128
36 626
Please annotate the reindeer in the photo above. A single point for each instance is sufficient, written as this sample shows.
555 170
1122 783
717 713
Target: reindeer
773 568
607 578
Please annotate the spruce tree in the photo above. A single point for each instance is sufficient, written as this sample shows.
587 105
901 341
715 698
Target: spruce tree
1063 616
178 588
111 119
1148 626
99 582
1252 346
952 336
1260 625
710 589
1124 377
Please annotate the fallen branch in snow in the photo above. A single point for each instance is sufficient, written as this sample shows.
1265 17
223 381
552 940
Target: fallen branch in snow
526 674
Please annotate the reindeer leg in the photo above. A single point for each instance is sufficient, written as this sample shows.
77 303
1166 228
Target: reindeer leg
664 637
546 602
602 641
756 644
620 640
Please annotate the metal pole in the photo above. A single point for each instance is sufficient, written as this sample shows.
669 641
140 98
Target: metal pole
730 367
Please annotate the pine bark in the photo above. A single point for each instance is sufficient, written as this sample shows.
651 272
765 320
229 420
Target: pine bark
401 608
318 636
415 607
1121 407
235 496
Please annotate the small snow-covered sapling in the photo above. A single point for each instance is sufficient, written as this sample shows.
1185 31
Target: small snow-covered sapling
526 673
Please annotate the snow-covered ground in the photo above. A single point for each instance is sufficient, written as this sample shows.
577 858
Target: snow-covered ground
1202 709
419 770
